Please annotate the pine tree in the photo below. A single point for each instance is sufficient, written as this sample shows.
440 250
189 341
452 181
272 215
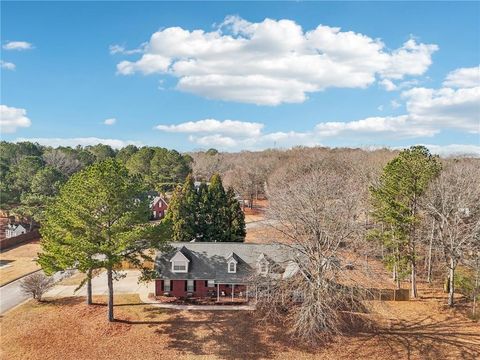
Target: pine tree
236 218
203 212
396 200
98 221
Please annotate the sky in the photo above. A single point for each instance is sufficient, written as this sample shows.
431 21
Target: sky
242 75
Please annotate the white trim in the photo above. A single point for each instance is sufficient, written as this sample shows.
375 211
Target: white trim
234 266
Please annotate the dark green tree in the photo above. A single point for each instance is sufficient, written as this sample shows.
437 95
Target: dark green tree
182 212
98 221
396 200
235 217
218 226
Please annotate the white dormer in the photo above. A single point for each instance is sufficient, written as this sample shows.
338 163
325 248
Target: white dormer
231 263
179 263
262 264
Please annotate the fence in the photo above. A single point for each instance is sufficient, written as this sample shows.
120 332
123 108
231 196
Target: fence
13 241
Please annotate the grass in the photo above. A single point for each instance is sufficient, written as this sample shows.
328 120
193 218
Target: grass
19 260
69 329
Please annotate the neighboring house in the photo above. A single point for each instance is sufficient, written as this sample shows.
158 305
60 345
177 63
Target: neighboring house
13 230
219 269
159 207
198 183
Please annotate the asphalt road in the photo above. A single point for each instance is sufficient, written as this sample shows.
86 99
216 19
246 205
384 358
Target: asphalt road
11 294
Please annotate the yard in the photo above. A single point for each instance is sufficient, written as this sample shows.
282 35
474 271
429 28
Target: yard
18 261
68 329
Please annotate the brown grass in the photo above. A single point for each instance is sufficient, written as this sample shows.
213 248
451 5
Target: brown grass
68 329
21 259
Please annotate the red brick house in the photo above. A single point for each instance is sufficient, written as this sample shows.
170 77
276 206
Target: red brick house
203 269
159 207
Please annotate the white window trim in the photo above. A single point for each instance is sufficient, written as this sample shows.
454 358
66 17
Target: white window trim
261 265
234 267
178 263
166 286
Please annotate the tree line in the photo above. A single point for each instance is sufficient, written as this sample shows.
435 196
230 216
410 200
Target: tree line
31 174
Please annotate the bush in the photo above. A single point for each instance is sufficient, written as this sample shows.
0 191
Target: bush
36 285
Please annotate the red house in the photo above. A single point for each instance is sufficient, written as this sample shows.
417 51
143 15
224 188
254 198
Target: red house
205 269
159 207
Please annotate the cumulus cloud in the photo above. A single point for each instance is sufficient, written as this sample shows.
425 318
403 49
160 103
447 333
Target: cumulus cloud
12 118
454 150
110 121
17 45
428 112
233 127
463 78
273 61
119 49
83 141
7 65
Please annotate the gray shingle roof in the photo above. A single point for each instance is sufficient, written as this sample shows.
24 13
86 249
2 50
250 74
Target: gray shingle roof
208 261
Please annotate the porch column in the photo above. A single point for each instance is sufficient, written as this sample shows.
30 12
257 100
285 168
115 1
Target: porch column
233 290
218 292
246 293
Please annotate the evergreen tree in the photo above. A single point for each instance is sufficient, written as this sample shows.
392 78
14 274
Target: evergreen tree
182 212
236 218
396 200
97 221
218 226
203 212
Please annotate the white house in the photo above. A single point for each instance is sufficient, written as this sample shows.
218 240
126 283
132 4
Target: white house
14 230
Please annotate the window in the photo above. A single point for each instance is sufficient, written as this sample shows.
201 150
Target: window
179 266
232 267
166 286
263 267
190 285
211 283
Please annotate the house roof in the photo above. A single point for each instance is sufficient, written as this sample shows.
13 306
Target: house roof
156 199
208 261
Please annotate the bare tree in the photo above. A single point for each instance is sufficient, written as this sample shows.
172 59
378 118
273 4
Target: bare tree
316 210
36 285
453 201
63 160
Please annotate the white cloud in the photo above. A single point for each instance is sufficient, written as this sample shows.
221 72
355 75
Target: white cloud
12 118
395 104
454 150
7 65
119 49
83 141
233 127
110 121
273 62
388 84
463 78
18 45
380 107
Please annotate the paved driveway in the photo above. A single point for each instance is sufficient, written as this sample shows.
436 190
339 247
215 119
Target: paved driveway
127 285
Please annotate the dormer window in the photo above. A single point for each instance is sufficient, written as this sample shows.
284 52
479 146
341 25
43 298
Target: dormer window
179 263
263 267
232 267
179 266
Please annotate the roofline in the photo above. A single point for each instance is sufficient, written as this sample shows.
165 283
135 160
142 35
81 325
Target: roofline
223 242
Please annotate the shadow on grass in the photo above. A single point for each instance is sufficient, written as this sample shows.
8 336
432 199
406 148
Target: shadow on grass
425 337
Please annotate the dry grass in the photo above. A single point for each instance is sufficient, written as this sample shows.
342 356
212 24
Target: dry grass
68 329
20 260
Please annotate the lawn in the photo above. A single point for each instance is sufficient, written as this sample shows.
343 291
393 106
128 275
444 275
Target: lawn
18 261
68 329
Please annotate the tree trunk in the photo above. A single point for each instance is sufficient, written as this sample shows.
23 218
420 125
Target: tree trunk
429 269
414 292
89 287
110 294
451 290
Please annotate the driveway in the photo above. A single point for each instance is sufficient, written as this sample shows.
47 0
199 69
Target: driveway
126 285
11 294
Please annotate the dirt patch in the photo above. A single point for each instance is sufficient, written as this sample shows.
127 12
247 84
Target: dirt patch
19 261
69 329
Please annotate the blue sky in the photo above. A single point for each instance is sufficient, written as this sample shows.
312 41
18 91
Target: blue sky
394 74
